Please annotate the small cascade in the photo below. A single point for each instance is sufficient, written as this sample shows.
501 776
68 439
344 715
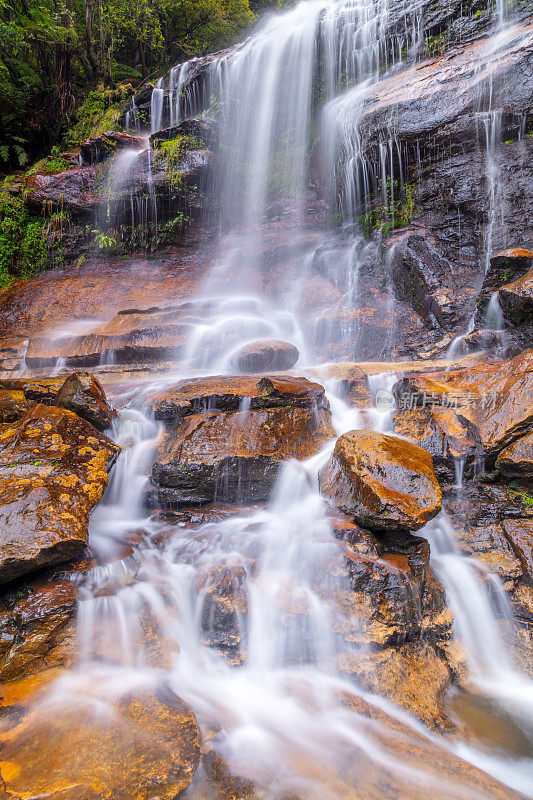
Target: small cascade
478 602
183 99
384 402
132 117
494 320
156 107
492 126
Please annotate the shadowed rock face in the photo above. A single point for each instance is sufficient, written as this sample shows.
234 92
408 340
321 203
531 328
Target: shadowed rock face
384 482
516 301
235 457
144 745
517 459
98 148
53 471
83 394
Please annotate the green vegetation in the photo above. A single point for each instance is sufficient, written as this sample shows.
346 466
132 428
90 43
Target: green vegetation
27 243
522 495
99 113
435 45
395 213
171 153
59 61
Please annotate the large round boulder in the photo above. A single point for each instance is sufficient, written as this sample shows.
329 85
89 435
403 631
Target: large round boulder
384 482
264 356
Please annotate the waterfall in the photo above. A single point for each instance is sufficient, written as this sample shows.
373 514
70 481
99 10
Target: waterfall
269 692
156 107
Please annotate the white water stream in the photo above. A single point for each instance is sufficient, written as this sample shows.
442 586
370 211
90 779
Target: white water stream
279 708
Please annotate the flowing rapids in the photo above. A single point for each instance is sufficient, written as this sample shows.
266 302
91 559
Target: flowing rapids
283 714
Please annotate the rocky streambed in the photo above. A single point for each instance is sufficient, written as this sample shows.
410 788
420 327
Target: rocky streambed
266 429
213 466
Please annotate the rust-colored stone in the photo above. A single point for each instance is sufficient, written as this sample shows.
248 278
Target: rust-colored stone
145 746
497 398
386 483
236 457
53 471
516 460
83 394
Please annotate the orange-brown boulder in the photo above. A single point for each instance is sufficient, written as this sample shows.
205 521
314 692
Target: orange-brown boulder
37 629
263 356
497 398
235 457
53 471
143 745
384 482
83 394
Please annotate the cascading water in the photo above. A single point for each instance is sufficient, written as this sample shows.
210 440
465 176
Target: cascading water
271 690
156 107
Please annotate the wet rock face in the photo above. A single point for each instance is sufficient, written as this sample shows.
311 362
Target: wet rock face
204 130
37 627
516 301
53 471
386 483
75 190
494 525
235 457
83 394
435 114
517 459
98 148
496 399
222 393
224 607
144 745
13 405
397 597
265 356
448 436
